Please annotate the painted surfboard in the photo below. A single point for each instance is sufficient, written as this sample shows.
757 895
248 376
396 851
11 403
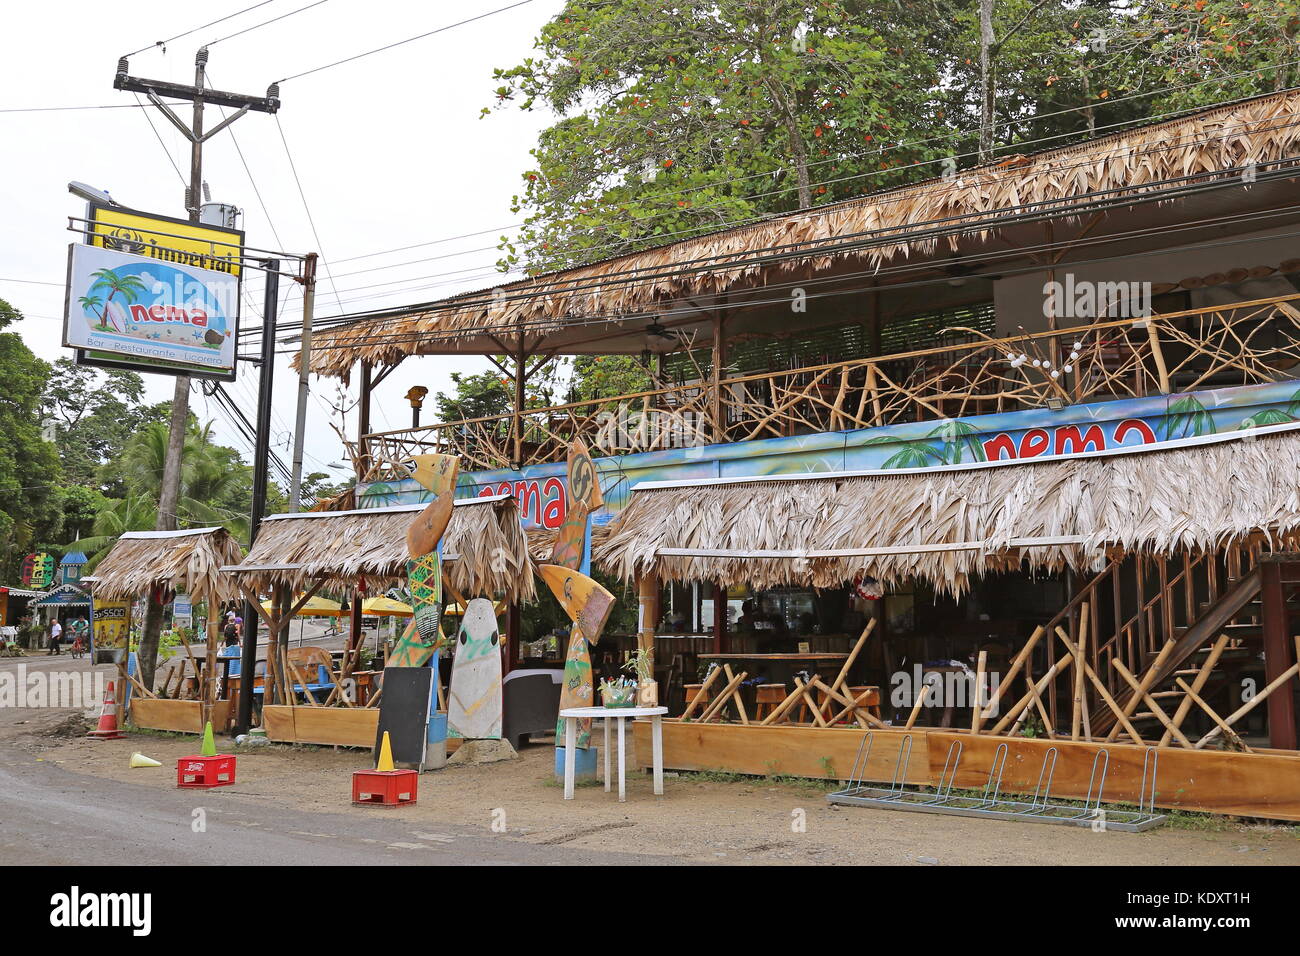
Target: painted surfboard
437 474
571 541
584 480
474 697
584 600
577 689
420 639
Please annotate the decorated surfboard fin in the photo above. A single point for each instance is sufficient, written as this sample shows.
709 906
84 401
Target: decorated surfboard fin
584 600
437 474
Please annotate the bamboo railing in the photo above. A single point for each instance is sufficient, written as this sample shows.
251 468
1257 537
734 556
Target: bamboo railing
1243 343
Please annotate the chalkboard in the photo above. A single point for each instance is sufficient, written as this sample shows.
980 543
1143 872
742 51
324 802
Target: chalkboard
404 713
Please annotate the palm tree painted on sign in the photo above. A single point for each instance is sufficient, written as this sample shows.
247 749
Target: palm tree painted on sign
1293 406
128 287
1187 418
1266 416
958 438
379 494
911 454
92 304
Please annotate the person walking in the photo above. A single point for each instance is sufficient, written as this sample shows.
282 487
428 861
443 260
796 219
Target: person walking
56 635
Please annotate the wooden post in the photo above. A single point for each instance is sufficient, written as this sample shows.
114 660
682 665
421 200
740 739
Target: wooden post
647 610
514 632
1281 707
1158 356
363 423
719 363
719 618
517 438
210 661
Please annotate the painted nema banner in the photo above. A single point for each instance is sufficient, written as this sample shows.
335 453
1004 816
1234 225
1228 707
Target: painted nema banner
138 307
974 441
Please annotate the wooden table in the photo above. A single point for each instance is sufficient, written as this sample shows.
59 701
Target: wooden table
571 715
810 656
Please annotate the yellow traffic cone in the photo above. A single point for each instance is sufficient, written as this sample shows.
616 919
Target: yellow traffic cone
140 760
385 755
209 745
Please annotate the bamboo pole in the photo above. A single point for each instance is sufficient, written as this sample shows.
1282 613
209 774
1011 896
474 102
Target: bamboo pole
853 656
1255 701
790 700
1101 688
1076 712
977 707
1147 680
720 702
1222 724
1028 698
916 706
1198 682
699 694
1012 671
1156 709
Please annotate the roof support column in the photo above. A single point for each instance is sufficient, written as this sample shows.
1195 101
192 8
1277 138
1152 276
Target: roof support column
1277 655
718 409
517 424
363 422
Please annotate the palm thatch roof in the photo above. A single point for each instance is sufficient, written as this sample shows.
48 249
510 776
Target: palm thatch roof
484 549
945 526
190 561
1132 163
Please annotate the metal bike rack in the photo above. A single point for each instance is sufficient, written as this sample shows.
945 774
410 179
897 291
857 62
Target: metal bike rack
991 803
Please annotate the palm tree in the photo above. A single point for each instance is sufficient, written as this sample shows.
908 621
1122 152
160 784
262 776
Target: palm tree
129 287
132 513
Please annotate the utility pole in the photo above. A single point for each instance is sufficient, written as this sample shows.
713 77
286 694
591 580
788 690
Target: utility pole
261 467
198 94
304 371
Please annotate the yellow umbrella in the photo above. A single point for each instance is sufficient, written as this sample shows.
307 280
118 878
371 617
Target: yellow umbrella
385 607
316 606
458 610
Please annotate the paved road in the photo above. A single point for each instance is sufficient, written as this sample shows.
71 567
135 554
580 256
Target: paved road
50 816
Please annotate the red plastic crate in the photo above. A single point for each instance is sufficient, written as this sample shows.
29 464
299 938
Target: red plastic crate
204 773
384 788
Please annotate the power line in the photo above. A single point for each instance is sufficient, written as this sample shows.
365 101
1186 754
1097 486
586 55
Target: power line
911 144
527 325
390 46
258 26
293 167
212 23
63 109
158 136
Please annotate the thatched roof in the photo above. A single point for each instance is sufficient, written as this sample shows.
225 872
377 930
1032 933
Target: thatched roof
484 549
944 526
189 561
1134 162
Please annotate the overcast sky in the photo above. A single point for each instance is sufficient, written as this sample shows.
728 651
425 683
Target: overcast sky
390 150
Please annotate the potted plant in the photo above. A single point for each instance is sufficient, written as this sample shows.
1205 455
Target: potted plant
619 692
641 663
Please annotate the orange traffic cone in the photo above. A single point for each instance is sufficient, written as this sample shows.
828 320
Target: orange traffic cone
107 729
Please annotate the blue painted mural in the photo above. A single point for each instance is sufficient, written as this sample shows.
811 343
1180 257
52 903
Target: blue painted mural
1031 433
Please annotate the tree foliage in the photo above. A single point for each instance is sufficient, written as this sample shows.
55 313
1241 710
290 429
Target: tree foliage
30 496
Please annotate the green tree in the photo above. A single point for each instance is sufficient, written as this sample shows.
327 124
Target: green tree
677 123
30 497
94 413
133 513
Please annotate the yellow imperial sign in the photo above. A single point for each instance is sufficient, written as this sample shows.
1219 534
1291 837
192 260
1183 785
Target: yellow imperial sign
178 243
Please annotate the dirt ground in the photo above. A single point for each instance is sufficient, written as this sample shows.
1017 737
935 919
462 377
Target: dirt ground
697 820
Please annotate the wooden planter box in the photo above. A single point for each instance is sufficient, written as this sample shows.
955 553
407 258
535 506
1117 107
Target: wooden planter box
178 716
340 726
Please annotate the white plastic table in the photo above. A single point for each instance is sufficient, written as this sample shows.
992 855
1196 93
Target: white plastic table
619 715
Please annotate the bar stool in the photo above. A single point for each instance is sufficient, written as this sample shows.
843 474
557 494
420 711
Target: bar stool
689 691
871 704
766 699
